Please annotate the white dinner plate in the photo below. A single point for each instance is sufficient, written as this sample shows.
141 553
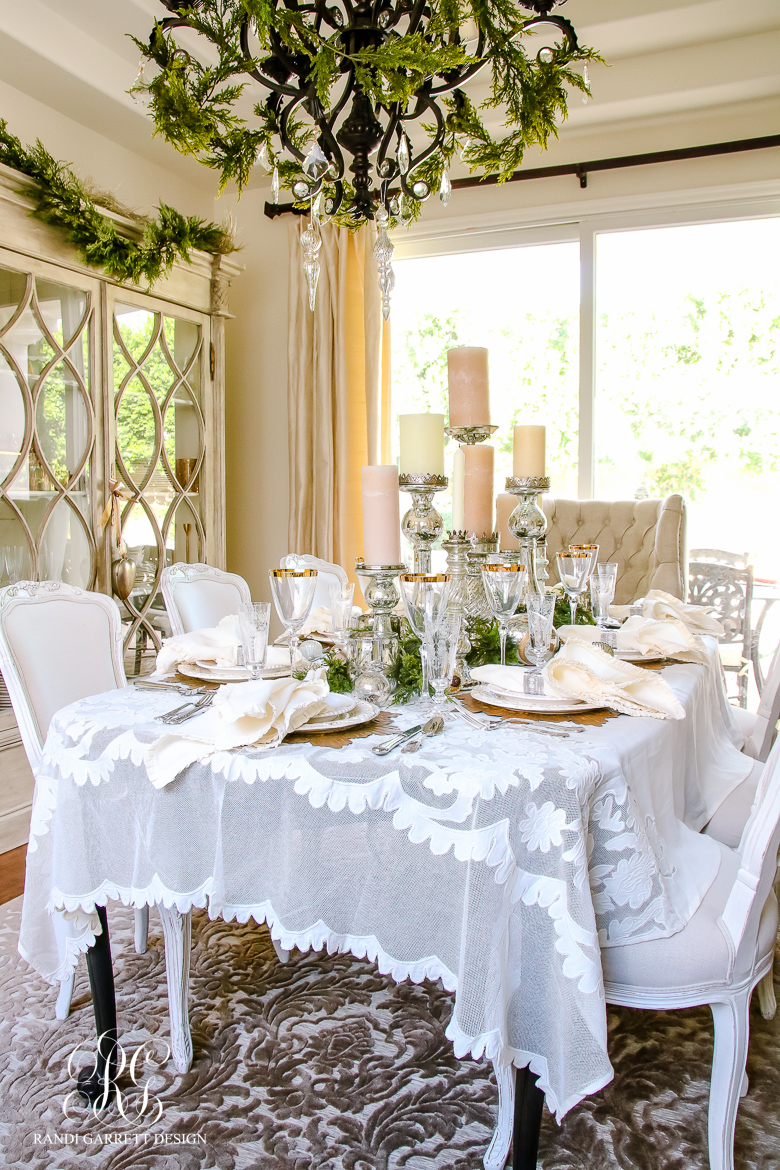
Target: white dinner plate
208 672
362 712
635 656
339 707
536 704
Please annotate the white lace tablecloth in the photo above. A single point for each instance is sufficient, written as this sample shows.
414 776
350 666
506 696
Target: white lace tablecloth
499 862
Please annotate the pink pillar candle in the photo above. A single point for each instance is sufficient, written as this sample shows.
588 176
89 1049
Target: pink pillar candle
467 375
381 515
478 511
505 506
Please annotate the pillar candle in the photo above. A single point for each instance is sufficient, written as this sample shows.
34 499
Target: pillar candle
381 515
528 452
478 510
458 489
422 444
467 375
505 506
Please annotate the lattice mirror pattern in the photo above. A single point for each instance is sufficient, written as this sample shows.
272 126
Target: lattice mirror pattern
47 431
160 447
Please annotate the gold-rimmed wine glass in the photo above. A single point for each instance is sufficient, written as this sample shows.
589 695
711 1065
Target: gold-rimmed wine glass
293 594
591 549
425 597
573 572
504 586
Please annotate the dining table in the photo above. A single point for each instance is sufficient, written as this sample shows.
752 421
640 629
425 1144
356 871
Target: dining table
499 860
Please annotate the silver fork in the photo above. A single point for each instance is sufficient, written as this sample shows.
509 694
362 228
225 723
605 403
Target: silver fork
188 710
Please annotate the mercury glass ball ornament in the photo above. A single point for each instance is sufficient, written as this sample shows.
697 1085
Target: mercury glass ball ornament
373 687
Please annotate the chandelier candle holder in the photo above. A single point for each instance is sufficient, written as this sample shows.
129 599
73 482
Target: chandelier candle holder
482 547
457 547
528 524
422 525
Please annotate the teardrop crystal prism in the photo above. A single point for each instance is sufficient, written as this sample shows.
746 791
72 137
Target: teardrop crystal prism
311 242
383 254
446 187
135 90
262 157
403 154
315 164
275 185
586 79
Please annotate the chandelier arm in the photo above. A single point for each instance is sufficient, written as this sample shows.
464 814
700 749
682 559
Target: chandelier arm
417 13
392 126
433 146
566 27
272 83
284 118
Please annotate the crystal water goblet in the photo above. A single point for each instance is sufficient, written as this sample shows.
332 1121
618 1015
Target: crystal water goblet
573 573
425 597
253 621
14 562
600 597
441 644
541 611
341 598
504 586
607 572
293 594
591 549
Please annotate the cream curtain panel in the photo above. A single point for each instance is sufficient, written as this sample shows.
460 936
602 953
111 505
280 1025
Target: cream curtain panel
338 392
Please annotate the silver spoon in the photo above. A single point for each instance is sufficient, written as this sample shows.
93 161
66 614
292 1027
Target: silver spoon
432 727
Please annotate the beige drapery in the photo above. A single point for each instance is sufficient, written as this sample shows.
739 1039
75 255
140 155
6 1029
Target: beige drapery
338 386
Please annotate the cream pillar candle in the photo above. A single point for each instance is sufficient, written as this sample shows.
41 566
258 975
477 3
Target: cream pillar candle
458 489
529 452
422 444
505 506
478 512
467 376
381 515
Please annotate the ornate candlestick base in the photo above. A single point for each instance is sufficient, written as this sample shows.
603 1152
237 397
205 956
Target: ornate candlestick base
528 524
458 546
468 436
481 548
380 589
422 525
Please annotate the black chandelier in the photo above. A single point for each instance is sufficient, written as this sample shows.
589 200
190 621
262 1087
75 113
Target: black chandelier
364 105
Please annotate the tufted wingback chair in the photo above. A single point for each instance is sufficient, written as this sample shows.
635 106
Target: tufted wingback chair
645 537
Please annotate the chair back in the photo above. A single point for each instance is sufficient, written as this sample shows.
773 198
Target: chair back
645 537
198 597
729 591
327 574
58 644
758 851
721 557
759 743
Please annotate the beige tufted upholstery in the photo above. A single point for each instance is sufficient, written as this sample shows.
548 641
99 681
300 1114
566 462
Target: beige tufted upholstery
645 537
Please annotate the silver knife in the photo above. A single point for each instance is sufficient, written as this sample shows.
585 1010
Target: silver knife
382 749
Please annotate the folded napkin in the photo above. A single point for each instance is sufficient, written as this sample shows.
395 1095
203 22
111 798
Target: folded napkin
507 678
218 645
319 621
580 671
639 635
659 605
259 713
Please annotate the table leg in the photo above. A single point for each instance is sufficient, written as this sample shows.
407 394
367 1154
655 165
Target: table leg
529 1100
96 1084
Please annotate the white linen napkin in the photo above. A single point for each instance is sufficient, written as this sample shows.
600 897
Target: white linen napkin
659 605
507 678
259 713
218 645
639 635
319 621
580 671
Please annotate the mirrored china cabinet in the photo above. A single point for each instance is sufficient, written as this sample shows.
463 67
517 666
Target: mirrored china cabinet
103 383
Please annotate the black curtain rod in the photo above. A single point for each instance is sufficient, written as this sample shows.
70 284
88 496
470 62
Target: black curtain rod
581 170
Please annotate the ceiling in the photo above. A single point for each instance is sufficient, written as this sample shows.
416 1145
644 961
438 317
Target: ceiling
679 72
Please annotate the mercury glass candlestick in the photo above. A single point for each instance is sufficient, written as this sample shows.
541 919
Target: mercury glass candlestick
528 524
457 547
481 548
381 593
422 525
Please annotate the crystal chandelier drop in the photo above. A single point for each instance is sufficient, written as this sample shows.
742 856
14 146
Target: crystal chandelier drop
359 108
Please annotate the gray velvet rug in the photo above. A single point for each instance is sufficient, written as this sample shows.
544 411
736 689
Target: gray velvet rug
323 1064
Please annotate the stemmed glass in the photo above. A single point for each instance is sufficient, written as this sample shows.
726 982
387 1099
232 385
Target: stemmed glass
341 611
504 585
253 620
293 593
601 594
573 572
425 597
441 644
541 611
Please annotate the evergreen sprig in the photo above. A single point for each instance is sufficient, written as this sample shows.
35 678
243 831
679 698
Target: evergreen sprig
61 199
194 103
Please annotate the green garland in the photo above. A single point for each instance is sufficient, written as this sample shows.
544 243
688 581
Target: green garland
195 103
61 199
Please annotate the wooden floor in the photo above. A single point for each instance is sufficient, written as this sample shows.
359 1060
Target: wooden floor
12 873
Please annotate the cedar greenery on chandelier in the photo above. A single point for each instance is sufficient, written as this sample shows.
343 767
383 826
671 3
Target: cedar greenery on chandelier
377 81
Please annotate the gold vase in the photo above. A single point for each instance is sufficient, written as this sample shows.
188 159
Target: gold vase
123 577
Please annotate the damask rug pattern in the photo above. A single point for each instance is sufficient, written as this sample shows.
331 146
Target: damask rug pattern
324 1064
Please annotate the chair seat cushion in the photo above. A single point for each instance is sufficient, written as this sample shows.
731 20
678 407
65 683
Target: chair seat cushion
698 955
746 720
731 817
731 655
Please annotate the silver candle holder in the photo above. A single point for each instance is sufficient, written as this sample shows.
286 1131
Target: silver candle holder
457 547
482 547
422 525
381 593
528 524
468 436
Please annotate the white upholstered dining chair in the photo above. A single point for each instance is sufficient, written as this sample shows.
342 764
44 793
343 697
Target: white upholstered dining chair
198 597
645 537
59 644
328 574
